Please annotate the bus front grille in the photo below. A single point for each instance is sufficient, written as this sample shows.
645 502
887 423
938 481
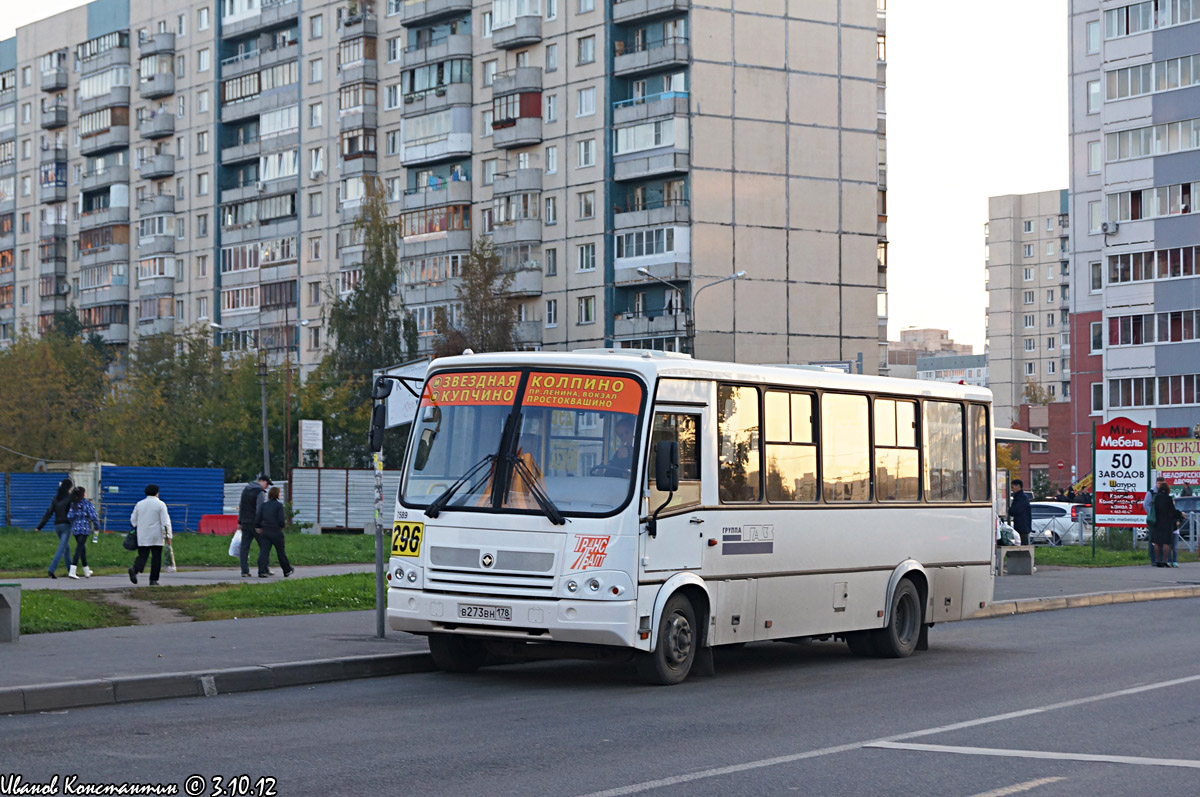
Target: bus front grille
483 583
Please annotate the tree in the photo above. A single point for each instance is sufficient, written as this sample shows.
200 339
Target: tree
1036 394
489 315
1041 485
369 327
1009 458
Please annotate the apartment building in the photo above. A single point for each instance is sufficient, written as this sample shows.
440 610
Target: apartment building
1135 177
202 162
1028 311
959 369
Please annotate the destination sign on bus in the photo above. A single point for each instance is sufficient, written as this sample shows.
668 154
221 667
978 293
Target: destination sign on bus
569 391
471 388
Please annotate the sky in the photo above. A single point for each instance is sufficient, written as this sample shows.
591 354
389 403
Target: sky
976 107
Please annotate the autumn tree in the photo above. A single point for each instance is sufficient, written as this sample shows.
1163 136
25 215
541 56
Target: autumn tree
488 320
1036 394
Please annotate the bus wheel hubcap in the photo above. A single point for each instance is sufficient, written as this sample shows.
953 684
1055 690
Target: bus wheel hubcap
679 640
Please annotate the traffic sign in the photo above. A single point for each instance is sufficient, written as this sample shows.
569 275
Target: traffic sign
1122 470
1061 464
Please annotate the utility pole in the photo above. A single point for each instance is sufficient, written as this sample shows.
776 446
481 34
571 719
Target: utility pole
262 383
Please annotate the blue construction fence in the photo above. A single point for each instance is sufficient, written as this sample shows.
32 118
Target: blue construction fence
187 492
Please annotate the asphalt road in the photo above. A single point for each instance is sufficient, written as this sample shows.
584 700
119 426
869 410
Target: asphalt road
1098 701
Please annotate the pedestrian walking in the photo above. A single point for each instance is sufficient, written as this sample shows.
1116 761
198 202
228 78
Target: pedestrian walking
254 495
83 521
60 506
268 524
153 524
1166 520
1020 513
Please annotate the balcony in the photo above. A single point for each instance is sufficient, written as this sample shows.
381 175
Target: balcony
430 100
157 125
53 117
455 146
156 245
645 166
117 56
158 44
106 177
360 116
629 325
360 24
419 13
678 213
102 217
260 104
52 260
458 45
272 14
517 81
668 54
157 204
526 282
436 243
358 72
118 96
363 164
54 155
54 229
114 253
112 138
157 167
517 182
525 31
514 133
638 10
668 103
155 86
446 192
519 231
249 150
672 266
54 79
52 193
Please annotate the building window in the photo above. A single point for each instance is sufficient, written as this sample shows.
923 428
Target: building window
551 216
1030 344
489 72
587 310
490 169
1051 343
587 204
1095 216
552 312
1029 369
1093 38
314 248
316 69
1028 250
586 5
315 206
485 127
314 294
1028 297
1027 227
203 60
551 57
585 257
1093 96
202 184
587 153
315 26
1094 157
1097 397
551 108
585 102
485 25
202 225
201 102
550 258
314 115
551 159
587 49
1030 321
1050 296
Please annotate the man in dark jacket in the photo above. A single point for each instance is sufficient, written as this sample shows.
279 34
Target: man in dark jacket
254 495
1020 513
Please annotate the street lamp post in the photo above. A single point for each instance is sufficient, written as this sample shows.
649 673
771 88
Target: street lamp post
689 321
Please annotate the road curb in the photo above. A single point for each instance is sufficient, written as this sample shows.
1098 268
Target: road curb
1031 605
136 688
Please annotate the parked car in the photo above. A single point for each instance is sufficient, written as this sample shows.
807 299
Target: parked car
1056 523
1189 505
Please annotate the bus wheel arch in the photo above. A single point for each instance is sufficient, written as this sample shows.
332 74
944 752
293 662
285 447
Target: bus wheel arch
680 623
903 631
913 571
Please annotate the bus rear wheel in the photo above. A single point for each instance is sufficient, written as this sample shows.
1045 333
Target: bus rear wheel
455 653
671 660
899 637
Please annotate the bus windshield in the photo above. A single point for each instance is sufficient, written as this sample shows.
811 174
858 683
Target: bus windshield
500 440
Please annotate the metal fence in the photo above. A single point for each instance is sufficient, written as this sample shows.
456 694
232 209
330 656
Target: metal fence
338 499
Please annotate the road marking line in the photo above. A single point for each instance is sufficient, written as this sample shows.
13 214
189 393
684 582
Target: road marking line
1042 754
1017 788
635 788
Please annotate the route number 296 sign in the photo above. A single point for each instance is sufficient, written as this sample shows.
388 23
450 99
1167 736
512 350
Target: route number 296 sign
1122 472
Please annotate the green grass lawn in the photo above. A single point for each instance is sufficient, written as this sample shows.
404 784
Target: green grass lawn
45 610
26 553
1081 556
319 595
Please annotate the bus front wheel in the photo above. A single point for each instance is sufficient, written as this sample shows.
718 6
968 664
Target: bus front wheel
899 637
671 660
455 653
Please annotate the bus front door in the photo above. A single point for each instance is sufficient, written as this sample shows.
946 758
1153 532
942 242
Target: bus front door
678 543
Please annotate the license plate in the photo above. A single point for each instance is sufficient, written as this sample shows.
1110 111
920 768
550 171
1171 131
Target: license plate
468 612
406 538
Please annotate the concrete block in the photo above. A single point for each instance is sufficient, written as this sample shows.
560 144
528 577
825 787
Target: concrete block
68 694
10 612
12 700
243 679
155 687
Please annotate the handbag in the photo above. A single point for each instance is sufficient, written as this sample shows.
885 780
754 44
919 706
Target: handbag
131 540
235 544
1150 518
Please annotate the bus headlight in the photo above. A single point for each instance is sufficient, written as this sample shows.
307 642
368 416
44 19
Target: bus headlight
412 576
572 587
593 585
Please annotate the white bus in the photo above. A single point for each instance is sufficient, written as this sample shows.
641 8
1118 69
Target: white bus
650 504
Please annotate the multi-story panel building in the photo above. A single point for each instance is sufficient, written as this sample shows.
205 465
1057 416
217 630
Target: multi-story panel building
1135 176
961 369
203 163
1028 285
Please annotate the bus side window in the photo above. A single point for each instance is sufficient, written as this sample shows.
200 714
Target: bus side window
944 474
791 447
737 444
980 481
897 474
685 430
845 448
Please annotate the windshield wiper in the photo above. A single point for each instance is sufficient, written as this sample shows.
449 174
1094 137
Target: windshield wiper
440 502
539 495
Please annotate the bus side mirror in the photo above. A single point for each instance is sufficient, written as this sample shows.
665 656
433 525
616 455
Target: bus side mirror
381 389
666 466
378 424
421 457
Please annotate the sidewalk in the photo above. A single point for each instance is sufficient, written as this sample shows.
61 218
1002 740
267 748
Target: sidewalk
182 578
109 665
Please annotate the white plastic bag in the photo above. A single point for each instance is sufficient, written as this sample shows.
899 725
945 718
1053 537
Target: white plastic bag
235 544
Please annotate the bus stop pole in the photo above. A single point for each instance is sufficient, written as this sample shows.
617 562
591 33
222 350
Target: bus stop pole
380 591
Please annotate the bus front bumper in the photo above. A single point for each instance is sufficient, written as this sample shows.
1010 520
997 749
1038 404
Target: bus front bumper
591 622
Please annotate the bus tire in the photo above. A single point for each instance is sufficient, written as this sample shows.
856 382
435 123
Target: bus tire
455 653
671 660
899 637
861 643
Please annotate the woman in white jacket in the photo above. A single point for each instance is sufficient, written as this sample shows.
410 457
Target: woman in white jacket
153 524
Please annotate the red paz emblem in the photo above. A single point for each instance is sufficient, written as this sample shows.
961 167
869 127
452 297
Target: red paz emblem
591 550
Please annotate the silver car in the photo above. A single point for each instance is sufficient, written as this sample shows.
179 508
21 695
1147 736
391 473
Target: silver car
1057 523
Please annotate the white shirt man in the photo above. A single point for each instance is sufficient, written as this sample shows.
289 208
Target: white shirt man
153 524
